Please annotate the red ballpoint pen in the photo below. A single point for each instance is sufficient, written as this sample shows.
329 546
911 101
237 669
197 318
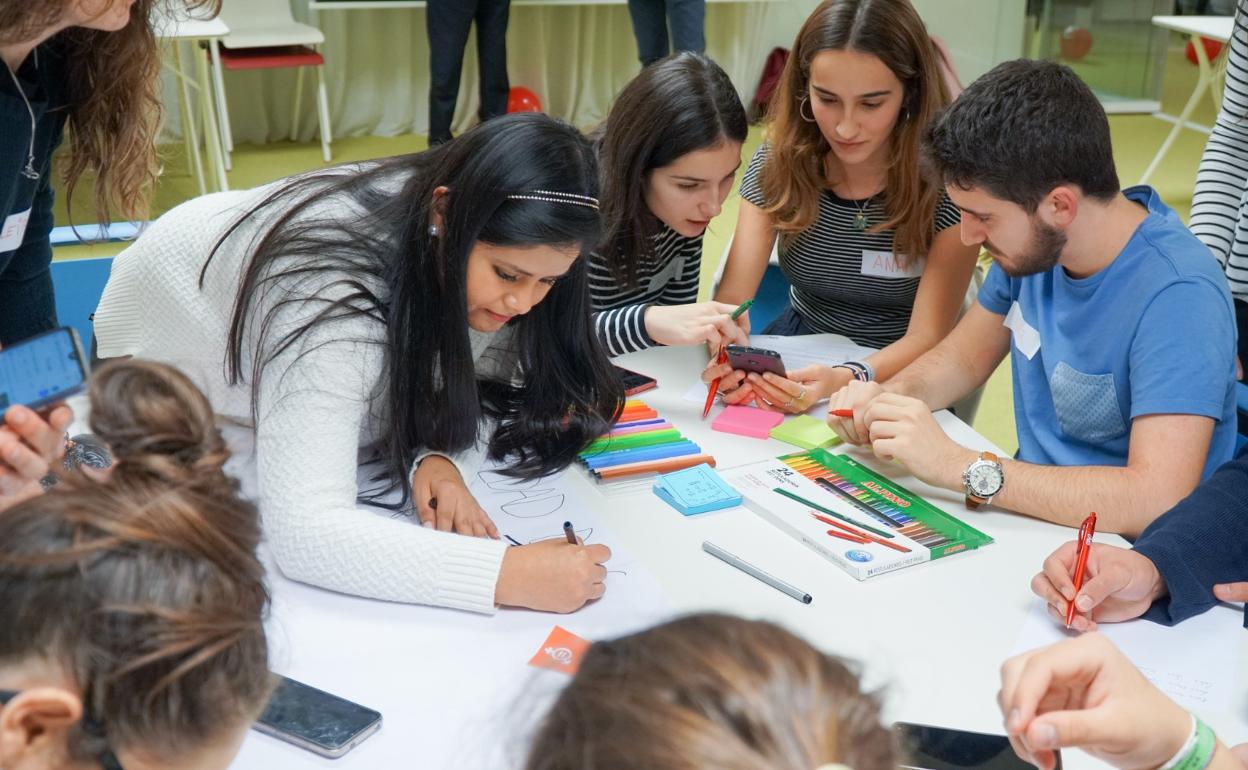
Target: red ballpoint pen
1086 531
722 358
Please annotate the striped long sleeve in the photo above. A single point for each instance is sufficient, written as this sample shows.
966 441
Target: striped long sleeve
1220 201
670 277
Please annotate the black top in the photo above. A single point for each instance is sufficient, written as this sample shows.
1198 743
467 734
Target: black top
43 78
1199 543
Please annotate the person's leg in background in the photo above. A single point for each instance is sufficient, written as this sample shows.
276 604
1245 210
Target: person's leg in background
492 18
447 23
688 19
650 29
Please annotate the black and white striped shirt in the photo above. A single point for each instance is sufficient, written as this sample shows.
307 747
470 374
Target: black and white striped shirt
844 280
1220 200
669 277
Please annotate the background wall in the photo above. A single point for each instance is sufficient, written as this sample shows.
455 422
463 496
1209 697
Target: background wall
574 58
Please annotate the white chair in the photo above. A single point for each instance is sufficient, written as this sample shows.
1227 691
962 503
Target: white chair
265 35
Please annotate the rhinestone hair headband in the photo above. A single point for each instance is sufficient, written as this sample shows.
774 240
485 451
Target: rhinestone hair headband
551 196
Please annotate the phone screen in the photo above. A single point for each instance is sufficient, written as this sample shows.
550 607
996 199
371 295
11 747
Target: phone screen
937 748
42 370
315 719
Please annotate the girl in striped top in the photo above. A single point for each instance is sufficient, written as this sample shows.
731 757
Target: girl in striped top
868 244
1220 200
668 153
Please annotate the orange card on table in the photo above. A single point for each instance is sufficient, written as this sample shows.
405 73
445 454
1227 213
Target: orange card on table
562 651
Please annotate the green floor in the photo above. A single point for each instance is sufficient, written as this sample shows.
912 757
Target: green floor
1136 140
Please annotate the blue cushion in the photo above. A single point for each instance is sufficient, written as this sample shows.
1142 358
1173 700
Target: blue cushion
78 284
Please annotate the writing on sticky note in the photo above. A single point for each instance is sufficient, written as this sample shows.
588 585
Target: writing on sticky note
806 432
747 421
696 490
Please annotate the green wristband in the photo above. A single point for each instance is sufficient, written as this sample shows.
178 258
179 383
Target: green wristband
1197 753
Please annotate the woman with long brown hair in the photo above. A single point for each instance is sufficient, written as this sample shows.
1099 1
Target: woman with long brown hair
869 244
134 603
88 68
668 154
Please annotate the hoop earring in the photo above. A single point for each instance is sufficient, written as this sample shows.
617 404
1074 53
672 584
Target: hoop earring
805 102
905 114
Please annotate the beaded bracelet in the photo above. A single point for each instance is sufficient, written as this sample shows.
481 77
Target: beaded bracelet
862 372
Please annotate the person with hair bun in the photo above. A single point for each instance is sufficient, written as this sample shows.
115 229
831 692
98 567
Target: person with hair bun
133 599
419 312
711 690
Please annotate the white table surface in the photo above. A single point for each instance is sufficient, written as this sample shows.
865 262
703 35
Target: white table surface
1214 27
934 635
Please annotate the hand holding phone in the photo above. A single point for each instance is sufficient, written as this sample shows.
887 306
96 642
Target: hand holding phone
42 370
29 444
313 719
757 360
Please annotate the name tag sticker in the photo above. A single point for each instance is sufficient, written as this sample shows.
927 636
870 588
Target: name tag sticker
14 231
1026 338
883 264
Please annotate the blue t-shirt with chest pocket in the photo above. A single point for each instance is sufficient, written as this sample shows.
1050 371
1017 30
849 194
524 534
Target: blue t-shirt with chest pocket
1151 333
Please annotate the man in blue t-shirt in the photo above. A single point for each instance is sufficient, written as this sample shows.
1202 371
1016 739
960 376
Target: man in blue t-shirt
1119 321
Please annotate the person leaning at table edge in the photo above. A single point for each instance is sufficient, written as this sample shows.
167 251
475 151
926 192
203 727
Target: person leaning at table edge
91 65
1121 328
1192 557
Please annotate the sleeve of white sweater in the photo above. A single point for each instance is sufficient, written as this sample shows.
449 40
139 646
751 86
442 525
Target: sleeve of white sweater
313 400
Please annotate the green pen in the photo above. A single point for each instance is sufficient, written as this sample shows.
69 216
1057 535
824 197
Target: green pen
744 306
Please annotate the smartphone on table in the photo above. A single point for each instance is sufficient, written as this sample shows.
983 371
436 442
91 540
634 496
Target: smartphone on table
757 360
42 370
924 747
315 720
635 382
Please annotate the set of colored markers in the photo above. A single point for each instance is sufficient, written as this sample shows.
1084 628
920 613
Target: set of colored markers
641 444
863 522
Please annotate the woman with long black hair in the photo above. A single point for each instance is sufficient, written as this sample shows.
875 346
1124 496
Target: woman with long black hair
393 311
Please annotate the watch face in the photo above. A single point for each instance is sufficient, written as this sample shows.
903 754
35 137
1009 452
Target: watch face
984 479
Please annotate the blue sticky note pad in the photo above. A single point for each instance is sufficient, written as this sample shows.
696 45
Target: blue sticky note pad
696 490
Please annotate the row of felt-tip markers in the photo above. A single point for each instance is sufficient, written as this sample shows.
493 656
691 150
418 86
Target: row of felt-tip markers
640 443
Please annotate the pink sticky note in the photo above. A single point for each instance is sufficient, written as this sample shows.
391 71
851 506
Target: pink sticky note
747 421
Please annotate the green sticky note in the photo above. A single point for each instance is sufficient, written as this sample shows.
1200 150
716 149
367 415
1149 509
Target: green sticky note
806 432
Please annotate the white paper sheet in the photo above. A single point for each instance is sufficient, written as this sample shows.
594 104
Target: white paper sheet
1194 662
454 688
797 352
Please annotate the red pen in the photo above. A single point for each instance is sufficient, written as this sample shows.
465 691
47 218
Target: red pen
722 358
847 536
848 413
1086 530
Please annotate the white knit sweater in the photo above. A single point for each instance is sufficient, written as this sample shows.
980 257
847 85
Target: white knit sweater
316 408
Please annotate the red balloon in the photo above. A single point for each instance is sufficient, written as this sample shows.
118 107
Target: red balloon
1212 49
521 99
1076 42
